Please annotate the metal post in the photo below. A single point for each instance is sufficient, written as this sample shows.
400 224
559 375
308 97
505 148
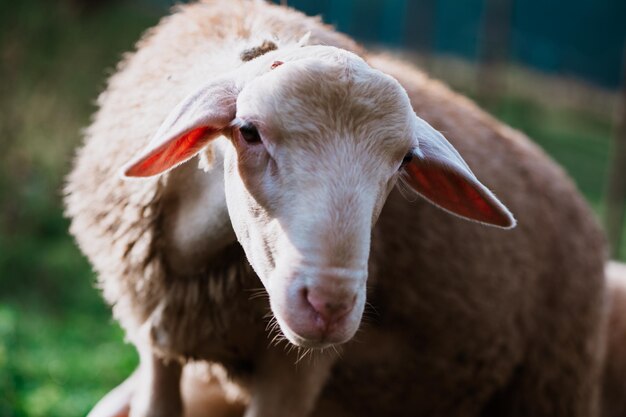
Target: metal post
392 27
420 25
616 185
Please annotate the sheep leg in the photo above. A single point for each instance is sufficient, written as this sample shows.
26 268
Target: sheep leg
613 387
284 388
117 402
201 398
204 395
157 391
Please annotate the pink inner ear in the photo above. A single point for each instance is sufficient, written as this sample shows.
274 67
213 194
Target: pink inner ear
453 192
171 153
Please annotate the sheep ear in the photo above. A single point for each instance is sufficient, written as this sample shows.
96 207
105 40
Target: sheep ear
197 120
439 174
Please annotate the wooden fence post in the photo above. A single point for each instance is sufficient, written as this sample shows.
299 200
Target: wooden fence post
616 185
494 48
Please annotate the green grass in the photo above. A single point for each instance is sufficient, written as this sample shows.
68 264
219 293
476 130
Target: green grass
58 364
60 351
578 141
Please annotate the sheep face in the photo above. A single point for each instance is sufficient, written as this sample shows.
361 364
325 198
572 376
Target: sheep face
317 145
316 149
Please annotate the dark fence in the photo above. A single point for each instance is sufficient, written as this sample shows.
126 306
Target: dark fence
582 38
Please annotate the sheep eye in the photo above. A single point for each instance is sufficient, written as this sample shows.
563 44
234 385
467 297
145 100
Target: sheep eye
249 133
407 159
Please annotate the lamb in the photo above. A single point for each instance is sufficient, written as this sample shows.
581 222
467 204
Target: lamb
613 401
292 207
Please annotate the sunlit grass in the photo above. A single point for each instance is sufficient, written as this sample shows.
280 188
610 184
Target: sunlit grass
57 364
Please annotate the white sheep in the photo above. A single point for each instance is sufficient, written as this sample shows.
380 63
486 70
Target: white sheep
302 149
613 399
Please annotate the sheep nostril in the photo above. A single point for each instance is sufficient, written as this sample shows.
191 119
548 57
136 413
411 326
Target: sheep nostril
330 311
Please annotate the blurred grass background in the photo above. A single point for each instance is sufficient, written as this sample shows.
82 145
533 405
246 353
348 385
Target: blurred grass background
59 348
60 351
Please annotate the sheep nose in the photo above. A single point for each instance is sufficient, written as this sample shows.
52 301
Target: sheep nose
330 310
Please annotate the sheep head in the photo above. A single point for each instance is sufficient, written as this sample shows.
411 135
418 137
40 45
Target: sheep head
318 140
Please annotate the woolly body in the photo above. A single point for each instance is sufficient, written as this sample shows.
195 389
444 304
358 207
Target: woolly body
468 320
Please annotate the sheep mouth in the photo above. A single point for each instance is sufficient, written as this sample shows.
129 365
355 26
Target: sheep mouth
307 343
314 339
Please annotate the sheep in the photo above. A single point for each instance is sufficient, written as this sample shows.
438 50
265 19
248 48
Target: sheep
300 203
613 401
